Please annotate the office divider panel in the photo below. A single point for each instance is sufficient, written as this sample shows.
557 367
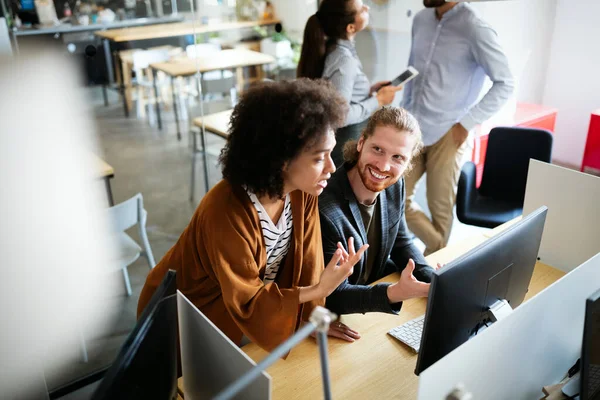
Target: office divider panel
532 347
572 232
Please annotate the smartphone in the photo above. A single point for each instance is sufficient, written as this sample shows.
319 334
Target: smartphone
404 77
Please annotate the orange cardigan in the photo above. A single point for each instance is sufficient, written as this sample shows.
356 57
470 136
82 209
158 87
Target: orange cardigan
220 260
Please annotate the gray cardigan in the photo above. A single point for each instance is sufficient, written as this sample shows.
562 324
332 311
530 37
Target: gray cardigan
341 219
345 71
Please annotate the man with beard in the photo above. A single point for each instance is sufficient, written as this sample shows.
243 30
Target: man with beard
364 199
453 50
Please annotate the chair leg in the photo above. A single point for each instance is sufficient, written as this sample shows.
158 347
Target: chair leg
127 283
147 249
193 177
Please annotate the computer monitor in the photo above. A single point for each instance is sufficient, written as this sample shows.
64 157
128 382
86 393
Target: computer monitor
590 350
210 360
462 292
146 366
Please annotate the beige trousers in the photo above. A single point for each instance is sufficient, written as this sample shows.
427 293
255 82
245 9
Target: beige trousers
442 162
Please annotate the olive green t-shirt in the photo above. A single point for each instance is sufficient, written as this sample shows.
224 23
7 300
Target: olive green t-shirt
372 223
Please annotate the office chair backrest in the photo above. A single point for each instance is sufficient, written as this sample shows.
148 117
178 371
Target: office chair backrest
507 161
127 214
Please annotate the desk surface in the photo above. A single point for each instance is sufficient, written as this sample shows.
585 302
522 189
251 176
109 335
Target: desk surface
104 169
217 123
70 28
225 59
375 366
177 29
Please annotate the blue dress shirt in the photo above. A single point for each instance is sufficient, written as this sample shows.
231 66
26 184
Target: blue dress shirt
453 56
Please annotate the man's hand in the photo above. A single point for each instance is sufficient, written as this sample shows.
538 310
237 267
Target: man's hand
459 134
408 286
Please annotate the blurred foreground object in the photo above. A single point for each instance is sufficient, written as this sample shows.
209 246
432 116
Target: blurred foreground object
57 281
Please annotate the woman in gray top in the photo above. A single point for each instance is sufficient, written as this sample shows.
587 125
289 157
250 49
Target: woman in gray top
328 52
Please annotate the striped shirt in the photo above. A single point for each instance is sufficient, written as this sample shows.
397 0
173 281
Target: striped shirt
277 237
345 71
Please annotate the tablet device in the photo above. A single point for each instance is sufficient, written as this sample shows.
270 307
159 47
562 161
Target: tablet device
404 77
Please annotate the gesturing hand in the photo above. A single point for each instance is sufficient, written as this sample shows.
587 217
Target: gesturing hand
408 286
340 267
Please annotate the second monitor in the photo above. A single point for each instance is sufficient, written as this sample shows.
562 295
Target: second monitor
479 287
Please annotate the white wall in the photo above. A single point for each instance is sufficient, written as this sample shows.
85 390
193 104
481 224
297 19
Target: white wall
525 31
573 82
294 14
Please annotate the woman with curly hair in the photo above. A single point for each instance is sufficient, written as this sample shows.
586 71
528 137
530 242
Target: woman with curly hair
251 257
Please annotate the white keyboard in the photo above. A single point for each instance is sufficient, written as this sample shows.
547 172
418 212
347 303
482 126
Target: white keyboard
409 333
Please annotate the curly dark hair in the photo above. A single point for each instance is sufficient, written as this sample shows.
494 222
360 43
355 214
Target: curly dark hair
272 124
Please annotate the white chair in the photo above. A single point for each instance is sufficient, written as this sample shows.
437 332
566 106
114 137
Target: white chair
219 91
144 79
123 216
213 81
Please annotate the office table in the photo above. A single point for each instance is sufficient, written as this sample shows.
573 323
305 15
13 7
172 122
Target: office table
165 31
376 366
223 60
105 172
217 123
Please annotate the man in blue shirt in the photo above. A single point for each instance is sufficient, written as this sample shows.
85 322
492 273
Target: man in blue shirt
453 50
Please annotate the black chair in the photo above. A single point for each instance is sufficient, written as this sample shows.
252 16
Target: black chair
502 191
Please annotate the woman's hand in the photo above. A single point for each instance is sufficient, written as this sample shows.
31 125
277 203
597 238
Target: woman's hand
379 85
343 331
340 267
386 94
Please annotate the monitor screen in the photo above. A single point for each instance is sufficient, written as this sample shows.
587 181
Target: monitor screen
590 371
463 291
146 366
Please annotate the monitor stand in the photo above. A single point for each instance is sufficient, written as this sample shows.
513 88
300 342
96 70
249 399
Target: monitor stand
572 387
499 310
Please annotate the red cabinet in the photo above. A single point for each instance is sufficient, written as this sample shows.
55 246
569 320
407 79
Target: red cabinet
526 115
591 154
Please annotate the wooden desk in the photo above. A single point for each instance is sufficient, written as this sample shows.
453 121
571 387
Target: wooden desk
124 65
105 172
217 123
223 60
502 227
164 31
176 29
376 366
